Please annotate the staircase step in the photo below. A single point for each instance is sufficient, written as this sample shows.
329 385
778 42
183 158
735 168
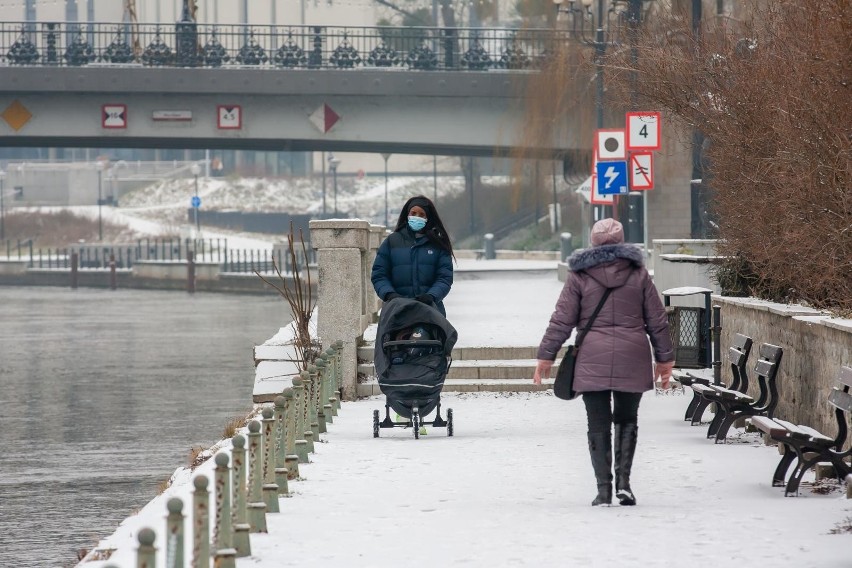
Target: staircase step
365 353
371 388
482 370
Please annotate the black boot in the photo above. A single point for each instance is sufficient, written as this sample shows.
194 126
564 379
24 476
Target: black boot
625 447
600 448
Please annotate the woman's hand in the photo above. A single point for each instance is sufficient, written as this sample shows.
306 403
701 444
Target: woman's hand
542 371
663 371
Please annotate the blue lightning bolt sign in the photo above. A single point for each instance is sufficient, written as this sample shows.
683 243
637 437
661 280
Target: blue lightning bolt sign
612 178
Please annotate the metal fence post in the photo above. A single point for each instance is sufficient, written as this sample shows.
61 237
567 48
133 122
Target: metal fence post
225 553
146 554
256 506
301 444
280 449
75 260
291 458
242 542
190 272
307 396
322 379
174 533
200 523
270 488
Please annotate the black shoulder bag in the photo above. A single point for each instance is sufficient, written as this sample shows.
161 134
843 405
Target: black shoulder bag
563 386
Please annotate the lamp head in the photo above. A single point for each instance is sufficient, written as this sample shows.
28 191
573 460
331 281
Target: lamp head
558 3
586 3
100 165
195 169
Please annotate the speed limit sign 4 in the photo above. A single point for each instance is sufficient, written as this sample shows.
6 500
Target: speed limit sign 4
643 130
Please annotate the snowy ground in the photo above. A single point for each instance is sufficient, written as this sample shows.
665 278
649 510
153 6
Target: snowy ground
513 488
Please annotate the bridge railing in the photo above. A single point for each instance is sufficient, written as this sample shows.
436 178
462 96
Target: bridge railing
186 44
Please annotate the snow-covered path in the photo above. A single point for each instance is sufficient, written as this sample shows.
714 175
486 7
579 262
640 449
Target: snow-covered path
514 486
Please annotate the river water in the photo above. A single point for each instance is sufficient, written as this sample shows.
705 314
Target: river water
103 394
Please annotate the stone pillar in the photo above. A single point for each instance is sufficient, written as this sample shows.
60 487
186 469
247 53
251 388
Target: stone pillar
377 235
342 247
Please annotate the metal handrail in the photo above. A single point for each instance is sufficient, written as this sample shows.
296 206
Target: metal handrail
187 44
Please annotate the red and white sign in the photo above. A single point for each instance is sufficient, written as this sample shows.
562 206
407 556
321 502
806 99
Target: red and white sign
597 198
171 116
609 145
324 118
229 117
114 116
641 171
643 130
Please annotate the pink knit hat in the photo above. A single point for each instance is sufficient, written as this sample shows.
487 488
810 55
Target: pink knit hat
607 232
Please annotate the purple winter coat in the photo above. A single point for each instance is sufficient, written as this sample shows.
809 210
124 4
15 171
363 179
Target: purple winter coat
615 354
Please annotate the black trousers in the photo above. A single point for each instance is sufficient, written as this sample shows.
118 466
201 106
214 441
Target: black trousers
604 408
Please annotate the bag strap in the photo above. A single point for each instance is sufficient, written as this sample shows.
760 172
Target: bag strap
583 333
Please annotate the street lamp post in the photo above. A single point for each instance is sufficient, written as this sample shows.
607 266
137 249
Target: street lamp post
2 210
607 22
100 165
386 157
332 164
196 169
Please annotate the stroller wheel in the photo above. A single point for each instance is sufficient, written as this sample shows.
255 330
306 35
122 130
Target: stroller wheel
415 424
375 424
449 422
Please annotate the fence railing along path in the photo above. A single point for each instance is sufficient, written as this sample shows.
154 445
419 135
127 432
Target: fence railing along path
211 523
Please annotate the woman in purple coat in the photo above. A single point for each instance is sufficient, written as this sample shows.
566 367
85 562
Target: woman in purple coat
614 365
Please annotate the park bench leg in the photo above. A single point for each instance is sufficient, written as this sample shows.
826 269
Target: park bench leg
799 472
716 422
781 471
699 411
693 404
725 425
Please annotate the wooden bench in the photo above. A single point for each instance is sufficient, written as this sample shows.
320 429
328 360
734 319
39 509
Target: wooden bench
738 357
808 446
733 404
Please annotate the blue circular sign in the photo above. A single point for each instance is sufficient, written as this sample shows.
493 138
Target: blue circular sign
196 201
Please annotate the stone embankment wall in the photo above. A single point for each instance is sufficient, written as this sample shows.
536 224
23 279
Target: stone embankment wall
815 347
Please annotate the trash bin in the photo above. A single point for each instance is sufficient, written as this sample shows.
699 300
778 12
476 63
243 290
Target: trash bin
690 328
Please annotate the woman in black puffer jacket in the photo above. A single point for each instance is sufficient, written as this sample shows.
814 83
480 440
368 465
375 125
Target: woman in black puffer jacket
416 260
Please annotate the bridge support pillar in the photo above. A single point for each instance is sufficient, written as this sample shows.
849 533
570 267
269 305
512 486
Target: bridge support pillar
342 255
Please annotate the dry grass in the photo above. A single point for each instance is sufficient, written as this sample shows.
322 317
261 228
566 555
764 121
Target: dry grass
60 229
197 456
163 485
234 424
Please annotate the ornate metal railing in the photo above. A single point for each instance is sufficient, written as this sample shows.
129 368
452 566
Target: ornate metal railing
186 44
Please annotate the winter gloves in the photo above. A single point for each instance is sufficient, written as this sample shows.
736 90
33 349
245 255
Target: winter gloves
427 299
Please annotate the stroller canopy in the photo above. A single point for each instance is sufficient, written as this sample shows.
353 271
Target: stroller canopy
402 313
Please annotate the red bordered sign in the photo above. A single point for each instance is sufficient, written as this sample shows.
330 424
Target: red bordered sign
114 116
641 171
597 198
229 117
643 130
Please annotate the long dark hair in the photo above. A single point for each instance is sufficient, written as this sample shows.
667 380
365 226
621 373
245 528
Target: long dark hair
434 229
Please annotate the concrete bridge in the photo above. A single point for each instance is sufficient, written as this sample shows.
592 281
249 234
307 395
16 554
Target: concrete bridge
409 90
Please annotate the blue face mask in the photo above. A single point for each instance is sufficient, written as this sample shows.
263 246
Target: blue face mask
416 223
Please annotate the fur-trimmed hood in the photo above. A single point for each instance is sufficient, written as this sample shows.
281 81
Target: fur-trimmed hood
609 265
590 257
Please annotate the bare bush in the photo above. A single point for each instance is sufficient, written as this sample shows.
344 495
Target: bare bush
771 93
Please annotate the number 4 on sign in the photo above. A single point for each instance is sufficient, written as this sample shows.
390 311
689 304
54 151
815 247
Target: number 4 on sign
643 130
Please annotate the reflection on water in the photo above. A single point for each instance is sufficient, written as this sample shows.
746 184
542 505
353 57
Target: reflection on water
103 394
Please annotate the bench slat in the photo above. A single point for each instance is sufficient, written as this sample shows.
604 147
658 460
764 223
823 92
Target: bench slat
840 399
730 394
815 434
742 342
771 352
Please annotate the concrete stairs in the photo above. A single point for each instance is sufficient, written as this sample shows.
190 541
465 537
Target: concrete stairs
474 369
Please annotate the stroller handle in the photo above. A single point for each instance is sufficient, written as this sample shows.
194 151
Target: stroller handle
413 343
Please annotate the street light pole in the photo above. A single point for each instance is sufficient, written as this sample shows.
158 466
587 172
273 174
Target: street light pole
386 157
332 164
196 169
2 210
607 21
100 167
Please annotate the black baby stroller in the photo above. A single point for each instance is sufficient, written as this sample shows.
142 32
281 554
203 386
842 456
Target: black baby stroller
412 357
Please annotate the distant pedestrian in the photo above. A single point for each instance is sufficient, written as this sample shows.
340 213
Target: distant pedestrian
614 365
416 260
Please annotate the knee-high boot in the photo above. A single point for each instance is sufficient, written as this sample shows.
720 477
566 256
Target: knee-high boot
600 449
625 447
